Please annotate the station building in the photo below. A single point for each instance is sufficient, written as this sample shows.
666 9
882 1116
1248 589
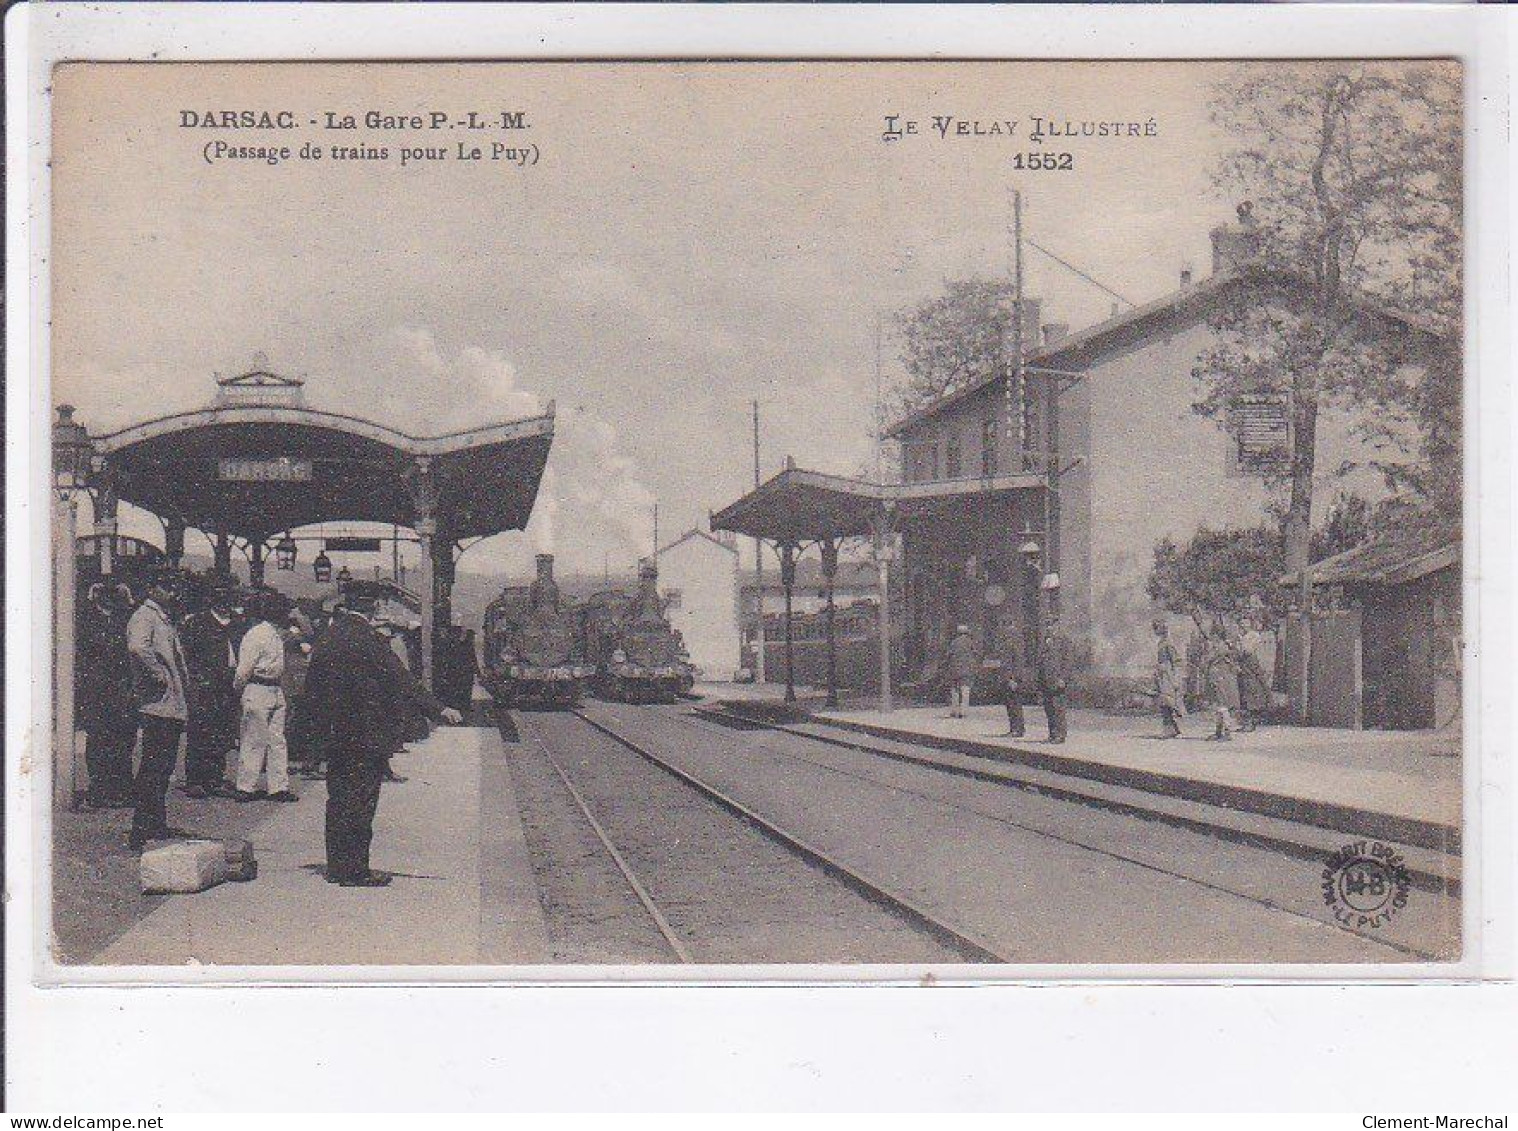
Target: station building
1052 490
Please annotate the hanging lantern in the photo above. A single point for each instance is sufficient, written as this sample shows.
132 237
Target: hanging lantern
71 454
343 577
321 565
284 553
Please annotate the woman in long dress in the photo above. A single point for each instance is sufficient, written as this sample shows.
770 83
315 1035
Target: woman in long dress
1222 670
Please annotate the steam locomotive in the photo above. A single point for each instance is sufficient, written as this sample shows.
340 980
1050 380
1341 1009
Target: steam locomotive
637 656
532 650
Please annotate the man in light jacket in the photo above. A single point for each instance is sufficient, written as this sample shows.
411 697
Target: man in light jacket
963 662
159 680
258 683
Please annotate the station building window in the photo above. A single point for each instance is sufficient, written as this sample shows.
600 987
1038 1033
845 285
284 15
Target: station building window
953 465
988 447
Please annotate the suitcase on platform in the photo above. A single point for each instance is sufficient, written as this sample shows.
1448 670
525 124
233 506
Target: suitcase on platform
242 866
183 866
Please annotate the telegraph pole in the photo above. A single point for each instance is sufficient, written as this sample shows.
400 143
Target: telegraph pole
758 570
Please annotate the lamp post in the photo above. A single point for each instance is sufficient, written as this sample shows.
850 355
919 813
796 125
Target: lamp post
71 463
321 566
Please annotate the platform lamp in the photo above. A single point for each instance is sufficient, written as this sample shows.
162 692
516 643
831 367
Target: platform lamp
71 468
343 577
284 553
321 565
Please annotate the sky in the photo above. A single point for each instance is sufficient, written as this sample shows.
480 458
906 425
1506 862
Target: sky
691 238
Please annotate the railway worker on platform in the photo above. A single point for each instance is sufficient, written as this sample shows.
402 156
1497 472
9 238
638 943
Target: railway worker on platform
356 689
159 685
1013 677
1056 665
261 747
106 711
962 661
210 649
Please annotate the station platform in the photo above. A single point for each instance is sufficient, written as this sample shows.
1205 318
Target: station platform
1405 782
463 891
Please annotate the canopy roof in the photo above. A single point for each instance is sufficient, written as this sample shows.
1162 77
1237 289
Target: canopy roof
255 470
806 506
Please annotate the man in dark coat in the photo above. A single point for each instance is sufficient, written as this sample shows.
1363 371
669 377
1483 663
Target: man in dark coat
356 689
1013 676
1056 665
106 710
210 652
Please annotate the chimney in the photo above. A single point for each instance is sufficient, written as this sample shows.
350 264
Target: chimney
545 567
1233 248
1055 331
1186 275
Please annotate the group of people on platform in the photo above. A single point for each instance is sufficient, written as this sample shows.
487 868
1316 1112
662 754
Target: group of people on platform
1049 674
1227 669
251 676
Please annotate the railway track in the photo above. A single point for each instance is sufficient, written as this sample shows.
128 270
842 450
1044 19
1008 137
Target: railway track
676 916
1429 870
1432 884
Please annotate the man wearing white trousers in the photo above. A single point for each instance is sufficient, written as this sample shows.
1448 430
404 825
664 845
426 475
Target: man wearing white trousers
260 666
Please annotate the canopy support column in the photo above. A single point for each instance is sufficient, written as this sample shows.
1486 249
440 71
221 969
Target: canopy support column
66 767
829 579
107 497
173 540
423 488
255 562
222 556
884 532
788 582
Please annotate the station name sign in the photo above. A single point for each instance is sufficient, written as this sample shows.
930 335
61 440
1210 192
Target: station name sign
282 470
354 545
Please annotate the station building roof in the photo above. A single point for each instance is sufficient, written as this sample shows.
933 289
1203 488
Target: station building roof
257 469
801 506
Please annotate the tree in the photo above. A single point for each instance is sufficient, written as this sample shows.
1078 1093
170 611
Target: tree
1227 572
1353 187
953 340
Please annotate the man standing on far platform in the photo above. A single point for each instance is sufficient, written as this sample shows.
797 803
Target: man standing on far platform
355 689
1055 667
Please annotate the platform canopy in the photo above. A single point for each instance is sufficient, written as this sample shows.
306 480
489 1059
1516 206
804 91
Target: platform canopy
255 469
798 506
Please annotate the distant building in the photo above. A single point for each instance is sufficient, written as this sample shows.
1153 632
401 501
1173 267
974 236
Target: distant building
698 580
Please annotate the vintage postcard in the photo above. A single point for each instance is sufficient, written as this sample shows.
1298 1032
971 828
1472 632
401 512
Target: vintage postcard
888 516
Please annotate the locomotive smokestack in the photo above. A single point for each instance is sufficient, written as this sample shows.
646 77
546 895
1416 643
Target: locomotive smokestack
544 592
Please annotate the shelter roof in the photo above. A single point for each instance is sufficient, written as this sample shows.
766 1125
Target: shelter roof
806 506
260 469
1392 559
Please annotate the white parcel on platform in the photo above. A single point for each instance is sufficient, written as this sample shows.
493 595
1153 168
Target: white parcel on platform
184 866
